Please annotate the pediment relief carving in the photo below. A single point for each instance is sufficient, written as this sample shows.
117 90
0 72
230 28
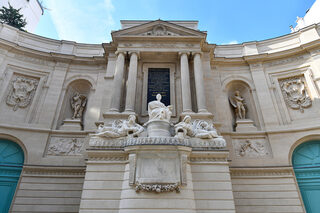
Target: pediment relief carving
158 29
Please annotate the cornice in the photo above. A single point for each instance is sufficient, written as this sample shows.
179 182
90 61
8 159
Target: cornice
43 170
262 172
51 56
306 43
58 51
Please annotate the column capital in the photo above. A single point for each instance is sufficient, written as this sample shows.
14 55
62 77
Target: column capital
118 52
196 52
134 52
183 52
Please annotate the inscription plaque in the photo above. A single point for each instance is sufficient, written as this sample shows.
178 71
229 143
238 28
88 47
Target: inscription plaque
159 82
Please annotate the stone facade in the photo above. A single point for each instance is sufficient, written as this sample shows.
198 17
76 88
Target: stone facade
69 167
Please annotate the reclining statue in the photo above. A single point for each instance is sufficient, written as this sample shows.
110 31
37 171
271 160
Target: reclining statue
120 128
197 129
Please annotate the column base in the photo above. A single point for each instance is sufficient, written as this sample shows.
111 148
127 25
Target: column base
245 125
113 115
71 125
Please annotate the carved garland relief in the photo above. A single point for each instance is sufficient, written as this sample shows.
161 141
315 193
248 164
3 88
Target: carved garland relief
294 92
21 92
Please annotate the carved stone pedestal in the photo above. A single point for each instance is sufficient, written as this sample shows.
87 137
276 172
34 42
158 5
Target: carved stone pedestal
150 171
158 128
160 180
245 125
71 125
156 174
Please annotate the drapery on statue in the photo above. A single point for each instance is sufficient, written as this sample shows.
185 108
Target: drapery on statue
237 101
121 128
198 129
158 111
78 104
184 128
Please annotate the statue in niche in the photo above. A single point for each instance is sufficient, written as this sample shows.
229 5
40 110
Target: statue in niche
238 103
121 128
198 129
158 111
78 104
294 92
22 92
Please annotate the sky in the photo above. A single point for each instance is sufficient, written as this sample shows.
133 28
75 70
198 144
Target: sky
226 21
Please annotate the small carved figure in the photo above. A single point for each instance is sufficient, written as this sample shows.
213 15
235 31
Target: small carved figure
22 92
78 104
121 128
204 131
237 101
158 111
247 146
198 129
294 92
184 128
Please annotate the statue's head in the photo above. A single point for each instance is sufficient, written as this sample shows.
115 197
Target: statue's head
158 97
187 119
237 93
132 118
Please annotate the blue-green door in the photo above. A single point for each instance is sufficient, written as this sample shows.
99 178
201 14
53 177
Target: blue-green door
306 165
11 162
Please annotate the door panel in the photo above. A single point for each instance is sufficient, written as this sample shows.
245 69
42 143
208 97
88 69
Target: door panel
306 165
11 162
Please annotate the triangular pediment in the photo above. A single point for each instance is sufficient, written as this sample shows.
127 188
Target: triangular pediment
158 29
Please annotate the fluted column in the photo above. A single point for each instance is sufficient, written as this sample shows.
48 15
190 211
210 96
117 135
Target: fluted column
198 77
132 82
185 82
117 82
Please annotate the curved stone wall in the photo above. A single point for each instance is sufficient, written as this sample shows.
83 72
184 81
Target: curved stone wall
271 75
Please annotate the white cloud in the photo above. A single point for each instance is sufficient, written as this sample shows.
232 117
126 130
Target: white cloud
82 21
232 42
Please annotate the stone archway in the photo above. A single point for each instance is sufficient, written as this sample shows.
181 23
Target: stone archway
306 165
11 163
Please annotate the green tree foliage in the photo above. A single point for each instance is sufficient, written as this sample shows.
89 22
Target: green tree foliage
12 17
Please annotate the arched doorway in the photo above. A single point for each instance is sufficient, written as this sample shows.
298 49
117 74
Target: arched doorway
11 162
306 165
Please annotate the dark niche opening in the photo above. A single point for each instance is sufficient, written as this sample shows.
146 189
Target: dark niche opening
159 82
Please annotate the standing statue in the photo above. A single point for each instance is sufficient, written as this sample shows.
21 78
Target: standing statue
237 101
158 111
78 104
121 128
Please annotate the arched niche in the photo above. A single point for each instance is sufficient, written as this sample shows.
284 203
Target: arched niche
80 86
246 92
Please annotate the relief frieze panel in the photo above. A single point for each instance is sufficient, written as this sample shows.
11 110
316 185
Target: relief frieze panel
65 146
251 148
